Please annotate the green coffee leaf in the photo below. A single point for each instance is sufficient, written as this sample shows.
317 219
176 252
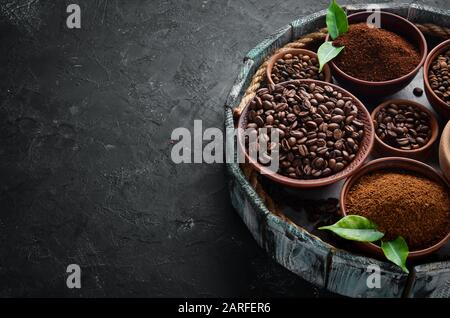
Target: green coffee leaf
355 228
396 251
337 22
327 52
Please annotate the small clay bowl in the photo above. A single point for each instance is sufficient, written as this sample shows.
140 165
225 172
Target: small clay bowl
438 104
325 70
363 152
444 152
393 163
383 149
398 25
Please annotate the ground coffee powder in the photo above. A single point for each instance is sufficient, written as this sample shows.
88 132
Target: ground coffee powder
401 203
374 54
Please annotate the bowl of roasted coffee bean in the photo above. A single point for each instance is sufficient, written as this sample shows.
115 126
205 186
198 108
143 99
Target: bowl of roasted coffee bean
295 64
324 133
436 74
404 128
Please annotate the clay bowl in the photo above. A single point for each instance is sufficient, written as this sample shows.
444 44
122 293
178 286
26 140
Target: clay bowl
444 152
438 104
326 69
383 149
400 26
364 150
387 164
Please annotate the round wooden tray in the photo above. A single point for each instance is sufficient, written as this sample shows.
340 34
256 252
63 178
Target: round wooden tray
283 221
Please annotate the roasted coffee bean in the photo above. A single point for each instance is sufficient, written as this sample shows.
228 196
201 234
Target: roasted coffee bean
262 91
297 134
311 142
316 173
267 105
303 150
291 117
292 141
281 106
337 134
258 102
319 130
403 141
319 97
328 89
337 119
322 151
402 126
311 135
311 125
319 163
332 164
420 141
333 126
358 124
321 142
259 121
285 145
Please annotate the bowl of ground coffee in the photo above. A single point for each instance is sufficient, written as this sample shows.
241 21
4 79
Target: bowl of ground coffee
436 74
294 64
404 128
325 133
403 197
378 61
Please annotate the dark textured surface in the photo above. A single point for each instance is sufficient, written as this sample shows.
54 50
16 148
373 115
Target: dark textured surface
85 123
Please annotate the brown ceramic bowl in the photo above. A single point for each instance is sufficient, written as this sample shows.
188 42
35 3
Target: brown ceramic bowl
394 163
444 152
326 69
438 104
384 149
400 26
364 150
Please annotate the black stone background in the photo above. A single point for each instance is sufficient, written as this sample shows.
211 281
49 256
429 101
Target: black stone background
85 171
